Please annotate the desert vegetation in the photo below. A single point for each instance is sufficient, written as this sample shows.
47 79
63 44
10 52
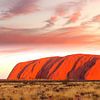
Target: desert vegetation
49 90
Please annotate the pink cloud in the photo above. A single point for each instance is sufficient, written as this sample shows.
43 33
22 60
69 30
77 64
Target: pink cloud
96 18
68 36
64 9
50 22
20 7
60 10
74 17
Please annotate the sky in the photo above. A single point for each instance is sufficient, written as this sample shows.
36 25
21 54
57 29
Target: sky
32 29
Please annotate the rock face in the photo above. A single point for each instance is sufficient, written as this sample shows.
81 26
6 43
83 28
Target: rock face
72 67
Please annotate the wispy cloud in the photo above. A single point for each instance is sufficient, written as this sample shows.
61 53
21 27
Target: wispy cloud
50 22
74 17
80 21
67 36
10 8
70 10
15 49
96 19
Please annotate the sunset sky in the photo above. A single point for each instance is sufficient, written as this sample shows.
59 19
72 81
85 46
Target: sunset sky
32 29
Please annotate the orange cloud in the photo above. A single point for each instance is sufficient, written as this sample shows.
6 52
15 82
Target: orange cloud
68 36
74 17
16 49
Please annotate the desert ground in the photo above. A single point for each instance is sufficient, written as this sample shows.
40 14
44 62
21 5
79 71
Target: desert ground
49 90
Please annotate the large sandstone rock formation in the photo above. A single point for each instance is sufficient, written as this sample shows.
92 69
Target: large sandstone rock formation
72 67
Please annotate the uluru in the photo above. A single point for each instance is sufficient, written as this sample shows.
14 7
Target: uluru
72 67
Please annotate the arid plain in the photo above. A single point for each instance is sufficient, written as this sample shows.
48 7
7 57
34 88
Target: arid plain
49 90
